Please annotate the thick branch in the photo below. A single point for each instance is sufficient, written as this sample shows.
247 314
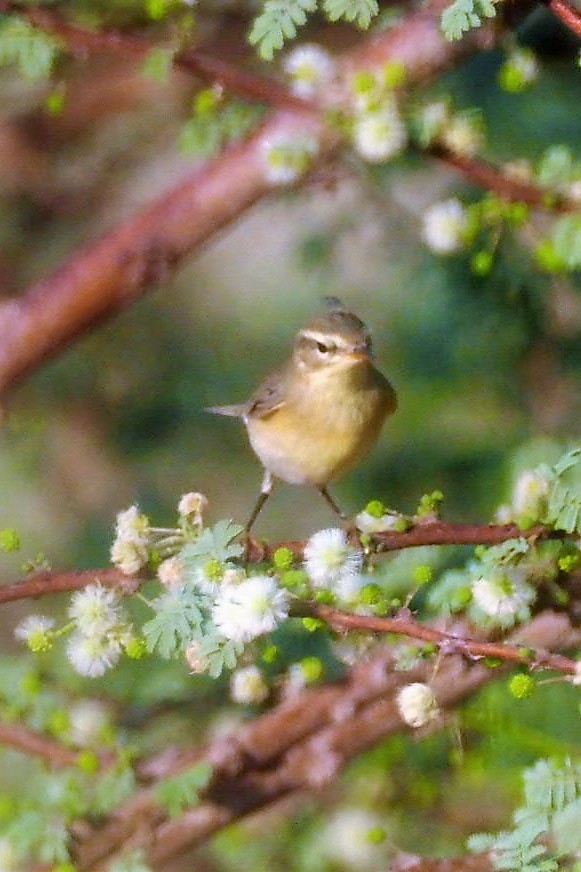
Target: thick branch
80 40
144 251
300 745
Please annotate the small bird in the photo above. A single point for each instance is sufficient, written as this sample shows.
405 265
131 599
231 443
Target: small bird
316 417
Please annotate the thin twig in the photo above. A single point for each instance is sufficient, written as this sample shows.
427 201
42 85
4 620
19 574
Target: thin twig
449 643
434 533
487 176
45 582
31 742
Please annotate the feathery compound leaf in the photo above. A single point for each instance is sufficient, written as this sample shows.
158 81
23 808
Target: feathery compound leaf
177 793
30 49
215 543
549 787
176 624
462 15
564 502
278 21
359 11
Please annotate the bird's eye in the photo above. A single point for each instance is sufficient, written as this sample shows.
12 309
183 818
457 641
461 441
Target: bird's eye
324 349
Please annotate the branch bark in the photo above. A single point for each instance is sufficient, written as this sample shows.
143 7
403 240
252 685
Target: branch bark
301 745
144 251
434 533
568 13
31 742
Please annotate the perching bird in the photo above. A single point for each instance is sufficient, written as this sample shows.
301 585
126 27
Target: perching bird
317 416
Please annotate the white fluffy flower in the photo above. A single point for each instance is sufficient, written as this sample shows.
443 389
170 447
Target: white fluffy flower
379 136
348 588
287 158
192 506
95 609
92 656
462 135
309 67
502 596
417 704
33 625
129 551
445 226
88 718
529 496
347 839
248 686
170 573
330 559
250 609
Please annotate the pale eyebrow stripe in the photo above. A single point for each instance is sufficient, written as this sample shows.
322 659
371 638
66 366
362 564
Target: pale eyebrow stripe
324 338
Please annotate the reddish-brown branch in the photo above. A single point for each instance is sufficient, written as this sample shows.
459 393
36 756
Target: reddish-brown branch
491 178
31 742
449 643
435 533
80 40
568 14
299 745
113 272
43 583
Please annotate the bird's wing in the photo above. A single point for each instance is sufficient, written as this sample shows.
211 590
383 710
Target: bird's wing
270 396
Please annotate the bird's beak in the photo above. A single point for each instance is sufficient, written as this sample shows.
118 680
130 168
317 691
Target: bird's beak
360 354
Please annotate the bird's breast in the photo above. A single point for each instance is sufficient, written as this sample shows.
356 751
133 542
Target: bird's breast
323 429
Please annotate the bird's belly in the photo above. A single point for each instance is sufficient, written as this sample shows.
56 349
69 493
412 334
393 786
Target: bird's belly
315 445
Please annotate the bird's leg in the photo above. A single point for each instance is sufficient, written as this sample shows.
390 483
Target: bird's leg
331 502
348 524
265 491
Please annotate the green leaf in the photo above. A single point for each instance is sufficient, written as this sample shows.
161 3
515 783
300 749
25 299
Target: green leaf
32 50
219 653
557 167
215 543
358 11
564 501
462 15
176 624
111 788
177 793
277 22
157 64
567 241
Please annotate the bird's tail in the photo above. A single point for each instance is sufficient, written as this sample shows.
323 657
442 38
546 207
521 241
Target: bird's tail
231 411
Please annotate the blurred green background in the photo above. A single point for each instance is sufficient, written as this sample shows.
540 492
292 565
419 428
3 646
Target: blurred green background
483 366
